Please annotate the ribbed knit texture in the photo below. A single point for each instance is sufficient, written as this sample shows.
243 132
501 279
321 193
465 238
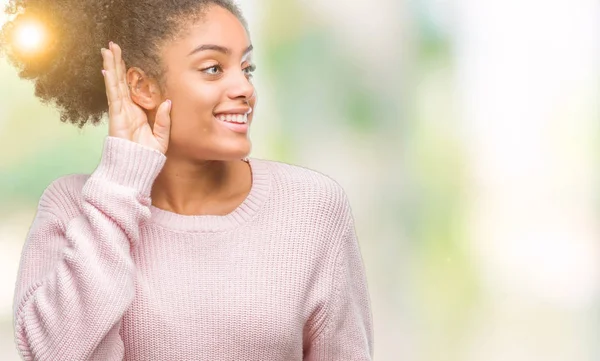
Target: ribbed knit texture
105 275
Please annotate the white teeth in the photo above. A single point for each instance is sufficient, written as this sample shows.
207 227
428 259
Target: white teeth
233 118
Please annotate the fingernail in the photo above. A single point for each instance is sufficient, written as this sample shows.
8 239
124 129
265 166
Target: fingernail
110 44
103 72
102 50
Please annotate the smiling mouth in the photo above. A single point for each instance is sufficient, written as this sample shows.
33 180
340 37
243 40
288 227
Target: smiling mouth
233 118
238 123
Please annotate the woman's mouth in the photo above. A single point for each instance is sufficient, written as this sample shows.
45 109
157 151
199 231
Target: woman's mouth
235 122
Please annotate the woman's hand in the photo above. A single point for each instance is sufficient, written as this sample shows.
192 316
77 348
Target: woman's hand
126 119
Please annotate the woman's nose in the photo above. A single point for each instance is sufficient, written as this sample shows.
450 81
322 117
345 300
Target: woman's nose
241 87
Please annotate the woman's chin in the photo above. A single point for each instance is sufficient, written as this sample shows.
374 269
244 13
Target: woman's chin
234 151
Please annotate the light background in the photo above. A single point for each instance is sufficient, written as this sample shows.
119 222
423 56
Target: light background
466 135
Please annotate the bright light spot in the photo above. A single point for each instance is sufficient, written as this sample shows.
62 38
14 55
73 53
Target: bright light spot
29 37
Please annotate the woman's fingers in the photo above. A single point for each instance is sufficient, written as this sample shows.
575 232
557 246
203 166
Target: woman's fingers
125 84
162 125
111 82
121 70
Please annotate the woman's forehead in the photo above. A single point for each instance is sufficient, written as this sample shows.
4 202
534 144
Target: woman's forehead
217 27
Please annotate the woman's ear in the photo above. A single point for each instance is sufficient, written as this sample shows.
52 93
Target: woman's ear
144 90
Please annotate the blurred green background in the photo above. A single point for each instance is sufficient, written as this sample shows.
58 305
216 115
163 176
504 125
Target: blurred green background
466 135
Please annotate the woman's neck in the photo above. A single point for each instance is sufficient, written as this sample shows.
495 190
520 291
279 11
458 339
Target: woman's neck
201 188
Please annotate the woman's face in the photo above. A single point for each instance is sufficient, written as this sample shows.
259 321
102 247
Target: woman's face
208 80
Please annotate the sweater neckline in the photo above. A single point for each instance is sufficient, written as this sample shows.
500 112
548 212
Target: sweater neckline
259 191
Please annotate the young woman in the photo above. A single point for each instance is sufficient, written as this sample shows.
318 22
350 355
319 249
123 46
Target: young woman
178 246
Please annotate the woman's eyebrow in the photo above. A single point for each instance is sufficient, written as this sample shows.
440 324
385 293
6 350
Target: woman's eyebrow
218 48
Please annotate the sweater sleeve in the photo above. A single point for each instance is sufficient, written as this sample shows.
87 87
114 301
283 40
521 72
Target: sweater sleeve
347 332
76 275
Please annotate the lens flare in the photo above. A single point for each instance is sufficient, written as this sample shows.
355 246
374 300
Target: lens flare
29 37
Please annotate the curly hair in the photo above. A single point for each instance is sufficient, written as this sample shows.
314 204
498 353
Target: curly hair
66 70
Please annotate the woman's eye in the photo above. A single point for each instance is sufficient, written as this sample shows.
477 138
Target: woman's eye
250 69
213 70
216 69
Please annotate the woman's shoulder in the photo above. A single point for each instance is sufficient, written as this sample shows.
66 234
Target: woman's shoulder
308 196
303 183
63 196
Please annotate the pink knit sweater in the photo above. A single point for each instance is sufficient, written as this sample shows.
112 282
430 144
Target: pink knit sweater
104 275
